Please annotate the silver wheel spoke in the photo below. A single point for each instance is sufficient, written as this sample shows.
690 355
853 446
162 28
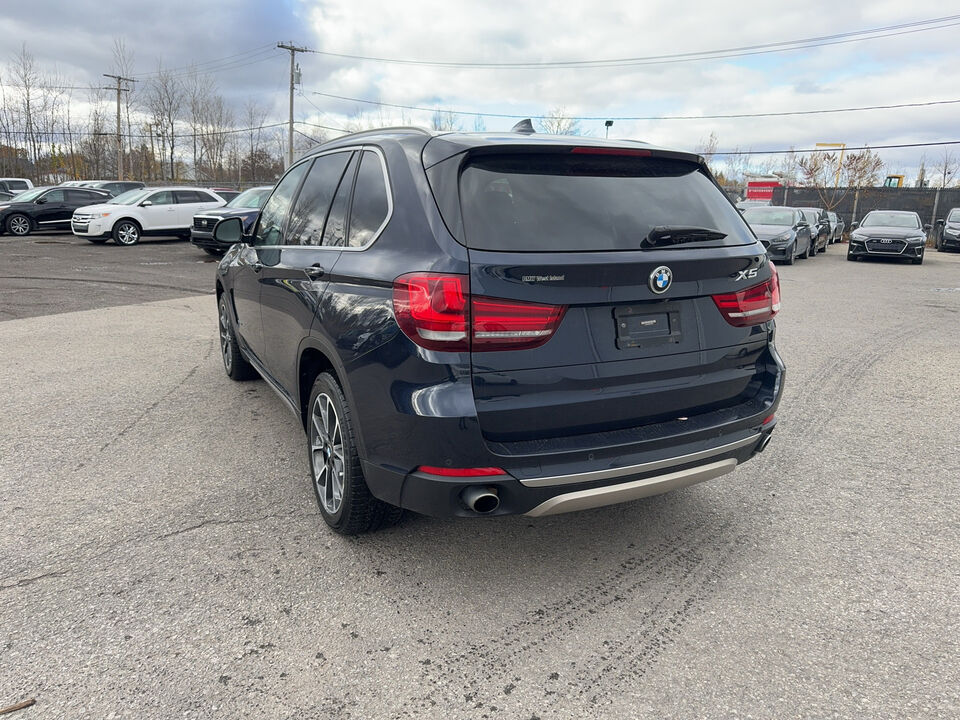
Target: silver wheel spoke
327 454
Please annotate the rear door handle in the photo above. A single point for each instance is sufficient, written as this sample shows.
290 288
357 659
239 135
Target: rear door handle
314 271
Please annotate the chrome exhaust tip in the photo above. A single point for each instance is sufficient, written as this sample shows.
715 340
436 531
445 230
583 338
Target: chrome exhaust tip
764 441
480 499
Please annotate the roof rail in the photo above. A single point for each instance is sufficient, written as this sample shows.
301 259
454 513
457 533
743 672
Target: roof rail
378 131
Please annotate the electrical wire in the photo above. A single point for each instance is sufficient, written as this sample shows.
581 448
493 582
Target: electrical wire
637 117
762 49
252 51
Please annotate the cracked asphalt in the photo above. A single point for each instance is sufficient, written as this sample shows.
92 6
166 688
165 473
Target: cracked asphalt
161 555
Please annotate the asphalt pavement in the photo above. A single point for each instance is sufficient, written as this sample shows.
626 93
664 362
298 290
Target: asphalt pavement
161 555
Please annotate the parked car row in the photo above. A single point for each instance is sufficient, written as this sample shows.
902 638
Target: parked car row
790 233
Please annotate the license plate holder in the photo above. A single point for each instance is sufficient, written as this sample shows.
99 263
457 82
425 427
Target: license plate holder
639 326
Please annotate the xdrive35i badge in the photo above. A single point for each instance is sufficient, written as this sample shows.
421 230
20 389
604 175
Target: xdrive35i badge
660 279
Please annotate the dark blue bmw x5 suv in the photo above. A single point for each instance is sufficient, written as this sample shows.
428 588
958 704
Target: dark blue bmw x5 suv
495 323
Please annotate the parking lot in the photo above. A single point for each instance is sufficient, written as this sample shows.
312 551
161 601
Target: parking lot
162 554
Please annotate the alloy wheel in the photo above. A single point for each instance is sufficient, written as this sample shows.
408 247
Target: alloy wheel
127 234
19 225
326 453
226 339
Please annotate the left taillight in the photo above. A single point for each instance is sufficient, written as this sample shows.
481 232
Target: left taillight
437 312
751 306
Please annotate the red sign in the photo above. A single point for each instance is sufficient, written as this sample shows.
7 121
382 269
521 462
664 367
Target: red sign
761 189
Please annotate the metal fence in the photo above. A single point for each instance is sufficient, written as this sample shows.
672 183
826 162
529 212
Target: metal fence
931 204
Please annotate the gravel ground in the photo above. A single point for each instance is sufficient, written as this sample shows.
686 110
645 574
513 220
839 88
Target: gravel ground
162 557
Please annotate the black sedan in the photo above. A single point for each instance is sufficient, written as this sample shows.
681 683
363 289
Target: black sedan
948 233
819 228
836 227
784 231
895 234
246 206
46 208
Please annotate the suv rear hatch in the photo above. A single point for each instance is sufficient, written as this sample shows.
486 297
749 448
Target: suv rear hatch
576 327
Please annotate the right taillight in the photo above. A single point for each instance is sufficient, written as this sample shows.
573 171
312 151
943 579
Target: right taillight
437 312
751 306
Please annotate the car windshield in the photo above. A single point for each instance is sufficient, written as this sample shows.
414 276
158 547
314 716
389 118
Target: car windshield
252 198
954 216
768 216
130 197
890 219
31 194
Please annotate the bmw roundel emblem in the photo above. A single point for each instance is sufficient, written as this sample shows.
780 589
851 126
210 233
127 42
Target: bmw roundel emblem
660 279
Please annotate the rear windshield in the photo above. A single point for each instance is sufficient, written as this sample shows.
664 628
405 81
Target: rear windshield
544 203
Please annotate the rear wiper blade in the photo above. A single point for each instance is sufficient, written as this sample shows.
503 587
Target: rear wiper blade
666 235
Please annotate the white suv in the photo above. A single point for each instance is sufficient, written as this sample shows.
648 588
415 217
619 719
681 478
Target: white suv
148 211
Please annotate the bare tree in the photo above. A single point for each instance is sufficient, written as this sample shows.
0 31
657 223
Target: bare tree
556 122
123 66
834 178
922 172
254 116
445 120
945 168
165 101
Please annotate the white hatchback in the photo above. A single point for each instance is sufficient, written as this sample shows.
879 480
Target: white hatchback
148 211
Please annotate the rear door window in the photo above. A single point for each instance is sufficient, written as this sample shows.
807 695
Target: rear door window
310 210
371 204
569 203
335 231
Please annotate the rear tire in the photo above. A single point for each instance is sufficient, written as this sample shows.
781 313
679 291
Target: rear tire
235 365
343 497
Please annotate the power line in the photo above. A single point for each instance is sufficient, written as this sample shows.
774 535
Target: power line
251 52
638 117
762 49
940 143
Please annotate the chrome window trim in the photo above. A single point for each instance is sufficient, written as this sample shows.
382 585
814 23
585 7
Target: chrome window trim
383 225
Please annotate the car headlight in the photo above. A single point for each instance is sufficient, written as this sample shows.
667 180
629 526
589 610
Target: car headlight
917 238
104 214
856 238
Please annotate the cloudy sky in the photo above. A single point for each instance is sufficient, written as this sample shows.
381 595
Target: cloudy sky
235 41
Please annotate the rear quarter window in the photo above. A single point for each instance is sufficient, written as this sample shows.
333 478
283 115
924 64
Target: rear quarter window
551 203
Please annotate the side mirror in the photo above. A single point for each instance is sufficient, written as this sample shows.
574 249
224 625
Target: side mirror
940 223
40 200
927 227
803 224
146 203
228 230
854 225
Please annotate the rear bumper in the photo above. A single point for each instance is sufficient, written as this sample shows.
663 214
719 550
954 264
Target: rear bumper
579 472
443 497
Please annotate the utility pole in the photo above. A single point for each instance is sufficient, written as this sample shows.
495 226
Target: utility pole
119 89
293 49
